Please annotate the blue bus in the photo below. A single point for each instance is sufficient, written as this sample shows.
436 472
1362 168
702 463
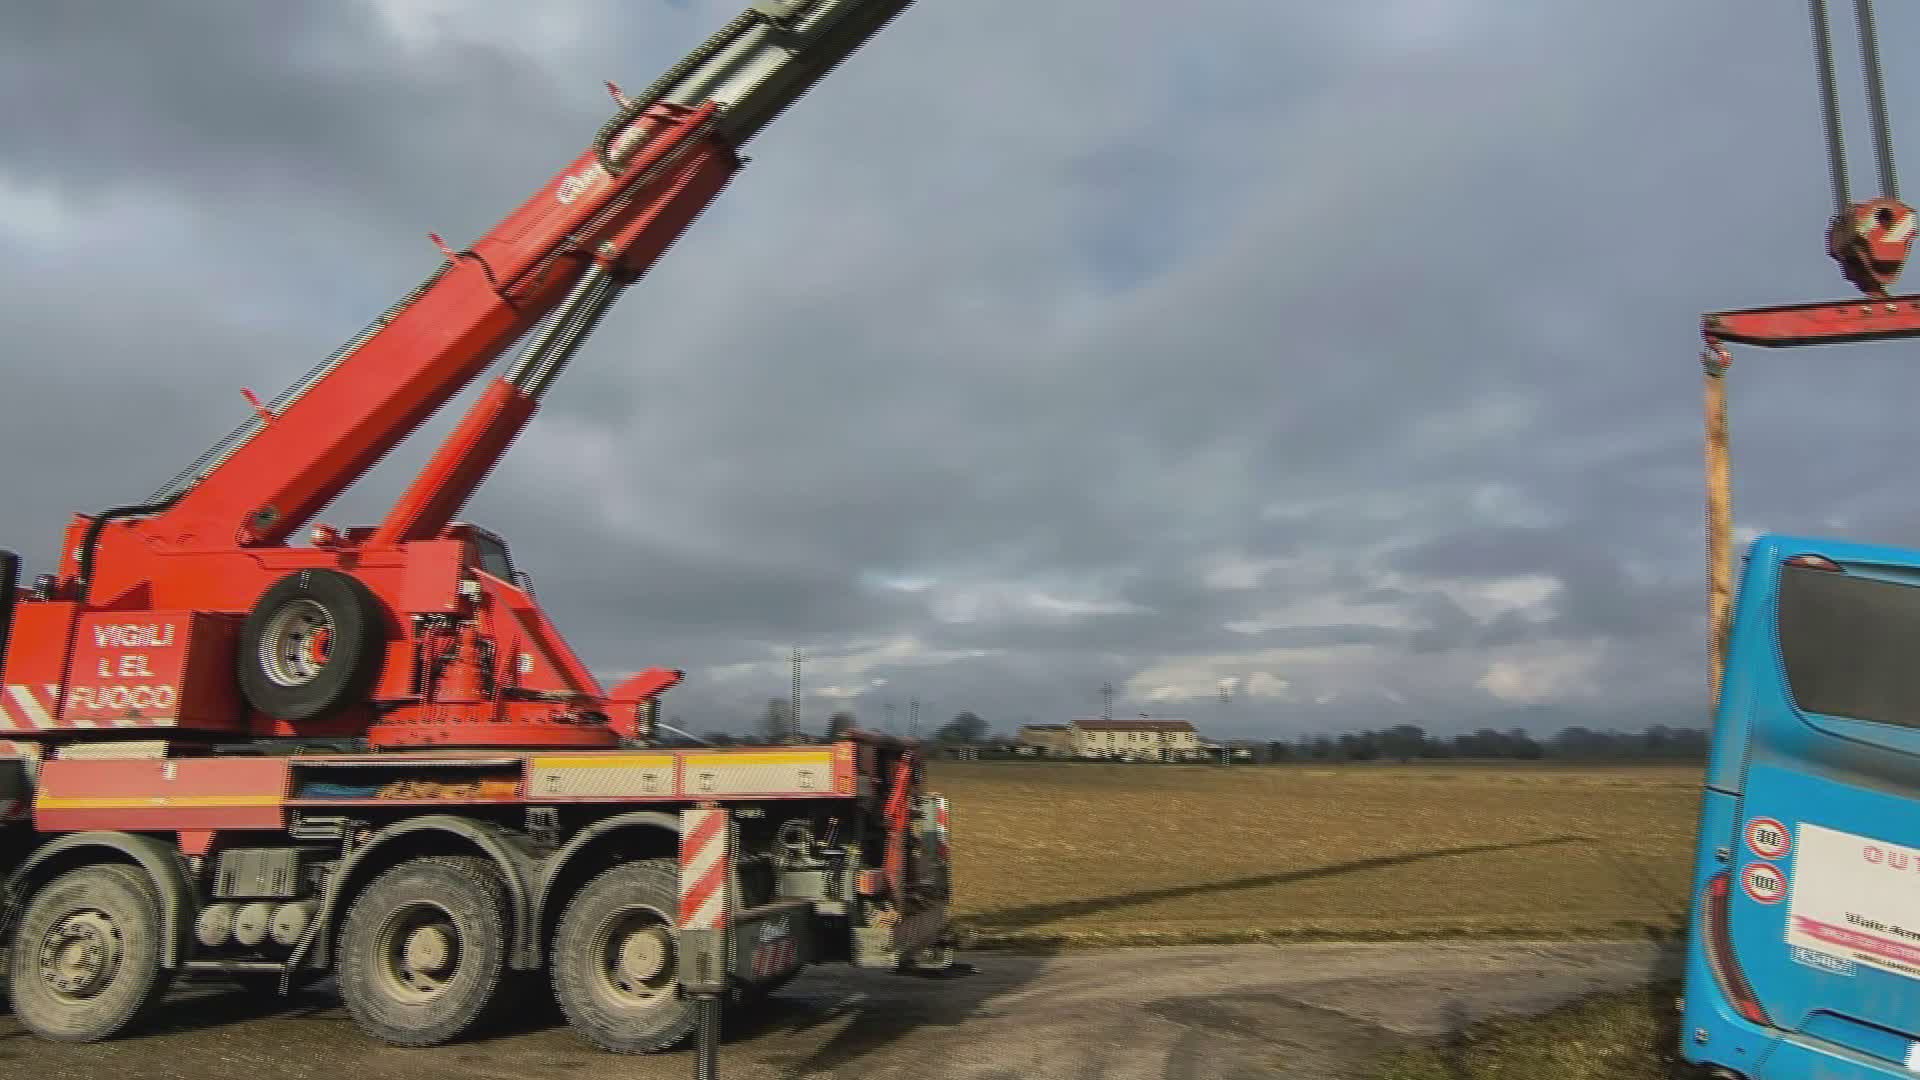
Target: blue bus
1803 959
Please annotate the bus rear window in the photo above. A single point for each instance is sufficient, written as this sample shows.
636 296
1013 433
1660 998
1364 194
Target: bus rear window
1851 645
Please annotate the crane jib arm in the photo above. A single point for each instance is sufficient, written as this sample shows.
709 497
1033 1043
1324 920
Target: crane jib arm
618 206
491 295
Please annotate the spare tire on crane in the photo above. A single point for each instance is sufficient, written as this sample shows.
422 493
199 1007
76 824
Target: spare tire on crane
311 646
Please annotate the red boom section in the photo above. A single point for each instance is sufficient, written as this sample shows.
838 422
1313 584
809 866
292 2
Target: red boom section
491 295
1832 323
460 650
417 631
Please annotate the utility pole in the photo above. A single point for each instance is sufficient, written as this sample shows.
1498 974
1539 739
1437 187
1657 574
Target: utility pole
1106 697
913 718
1226 700
793 710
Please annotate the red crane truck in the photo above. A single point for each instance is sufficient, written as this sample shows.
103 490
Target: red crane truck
493 812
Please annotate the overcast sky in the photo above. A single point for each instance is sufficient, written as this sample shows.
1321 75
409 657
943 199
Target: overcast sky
1341 354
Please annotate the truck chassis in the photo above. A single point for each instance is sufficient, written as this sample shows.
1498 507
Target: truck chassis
435 885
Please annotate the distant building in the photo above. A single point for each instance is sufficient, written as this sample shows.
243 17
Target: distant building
1046 740
1136 740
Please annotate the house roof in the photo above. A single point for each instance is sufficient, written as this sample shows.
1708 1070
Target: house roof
1133 725
1044 727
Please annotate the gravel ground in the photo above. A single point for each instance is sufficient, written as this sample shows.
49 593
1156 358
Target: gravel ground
1182 1013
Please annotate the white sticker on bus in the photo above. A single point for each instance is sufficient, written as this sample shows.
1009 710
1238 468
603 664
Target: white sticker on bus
1854 898
1832 965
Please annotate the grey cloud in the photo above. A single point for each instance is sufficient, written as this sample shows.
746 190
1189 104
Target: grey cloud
1019 297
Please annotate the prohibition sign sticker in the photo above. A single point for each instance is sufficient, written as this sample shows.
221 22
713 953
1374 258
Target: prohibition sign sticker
1768 838
1763 883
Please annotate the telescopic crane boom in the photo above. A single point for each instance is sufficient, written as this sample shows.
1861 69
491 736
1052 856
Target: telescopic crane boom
416 630
566 253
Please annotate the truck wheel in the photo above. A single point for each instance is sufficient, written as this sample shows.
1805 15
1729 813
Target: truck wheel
86 956
614 965
423 954
311 646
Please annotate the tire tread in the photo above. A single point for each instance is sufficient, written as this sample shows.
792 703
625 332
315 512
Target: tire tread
477 872
656 881
157 979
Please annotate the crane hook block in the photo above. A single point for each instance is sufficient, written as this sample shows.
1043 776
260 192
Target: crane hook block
1871 242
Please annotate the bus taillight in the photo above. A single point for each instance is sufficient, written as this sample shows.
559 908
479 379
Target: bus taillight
1815 562
1719 945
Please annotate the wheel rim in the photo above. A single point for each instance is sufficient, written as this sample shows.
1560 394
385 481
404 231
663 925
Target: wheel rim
80 954
635 961
418 952
297 643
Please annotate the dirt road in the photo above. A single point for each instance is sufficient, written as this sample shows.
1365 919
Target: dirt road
1218 1012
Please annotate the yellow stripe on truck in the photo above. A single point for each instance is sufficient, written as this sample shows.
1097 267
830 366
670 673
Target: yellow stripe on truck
604 761
721 761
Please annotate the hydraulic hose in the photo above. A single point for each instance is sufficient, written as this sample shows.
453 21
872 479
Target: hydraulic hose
90 542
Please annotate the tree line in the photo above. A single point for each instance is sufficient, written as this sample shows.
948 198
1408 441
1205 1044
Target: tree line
1402 742
776 725
1409 742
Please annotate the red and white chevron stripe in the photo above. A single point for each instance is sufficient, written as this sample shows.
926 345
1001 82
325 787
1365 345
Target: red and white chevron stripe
25 707
705 845
1901 230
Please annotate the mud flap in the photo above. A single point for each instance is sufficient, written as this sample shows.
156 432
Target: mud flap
16 782
9 596
773 941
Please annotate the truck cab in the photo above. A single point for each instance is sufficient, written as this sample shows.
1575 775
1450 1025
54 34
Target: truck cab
1804 958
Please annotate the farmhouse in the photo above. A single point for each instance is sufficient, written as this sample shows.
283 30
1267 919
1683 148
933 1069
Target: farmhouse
1047 740
1143 739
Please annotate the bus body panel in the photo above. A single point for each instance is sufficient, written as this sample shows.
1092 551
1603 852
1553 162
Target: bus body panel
1814 816
1712 1031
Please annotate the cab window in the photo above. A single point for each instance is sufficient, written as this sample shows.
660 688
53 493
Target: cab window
493 556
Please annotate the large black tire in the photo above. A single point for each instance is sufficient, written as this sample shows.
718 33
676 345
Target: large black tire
311 646
423 955
614 961
86 954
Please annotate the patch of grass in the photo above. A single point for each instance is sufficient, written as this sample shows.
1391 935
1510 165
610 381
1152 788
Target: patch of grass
1054 855
1626 1036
